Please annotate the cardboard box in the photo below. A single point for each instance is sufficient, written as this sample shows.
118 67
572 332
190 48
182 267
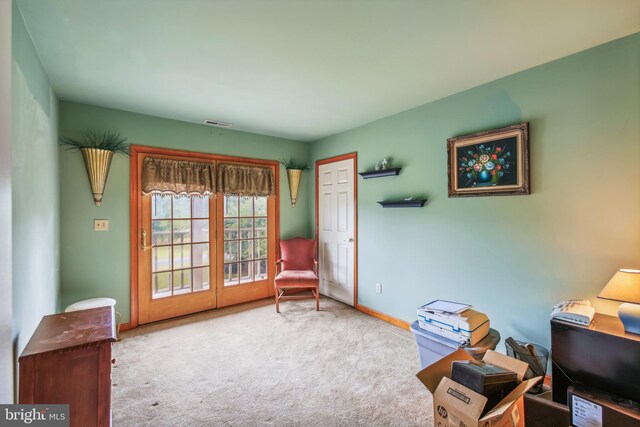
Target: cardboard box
455 405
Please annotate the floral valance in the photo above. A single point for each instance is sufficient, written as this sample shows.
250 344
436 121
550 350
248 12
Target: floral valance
241 180
167 176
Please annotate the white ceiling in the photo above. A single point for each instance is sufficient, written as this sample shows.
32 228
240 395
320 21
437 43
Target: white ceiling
302 69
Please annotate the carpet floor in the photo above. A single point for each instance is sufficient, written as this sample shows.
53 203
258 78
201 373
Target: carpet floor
248 366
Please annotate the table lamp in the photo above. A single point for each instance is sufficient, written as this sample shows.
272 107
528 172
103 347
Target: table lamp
625 286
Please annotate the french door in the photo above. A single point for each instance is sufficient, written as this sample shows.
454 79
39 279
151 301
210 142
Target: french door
176 256
197 253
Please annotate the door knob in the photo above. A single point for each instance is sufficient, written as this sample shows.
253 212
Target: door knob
350 239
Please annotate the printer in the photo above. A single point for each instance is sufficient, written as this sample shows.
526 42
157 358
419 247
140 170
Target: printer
466 327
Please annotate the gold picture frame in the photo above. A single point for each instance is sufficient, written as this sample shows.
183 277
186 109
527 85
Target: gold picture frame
490 163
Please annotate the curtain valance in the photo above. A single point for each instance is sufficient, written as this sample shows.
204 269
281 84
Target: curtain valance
242 180
167 176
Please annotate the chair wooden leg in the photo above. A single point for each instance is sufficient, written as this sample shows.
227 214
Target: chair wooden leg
277 301
317 300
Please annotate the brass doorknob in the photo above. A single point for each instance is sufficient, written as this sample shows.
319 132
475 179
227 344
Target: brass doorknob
145 246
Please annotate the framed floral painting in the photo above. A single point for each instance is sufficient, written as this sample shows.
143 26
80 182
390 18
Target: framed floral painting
490 163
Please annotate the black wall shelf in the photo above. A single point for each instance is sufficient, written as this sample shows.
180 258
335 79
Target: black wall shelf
416 203
380 173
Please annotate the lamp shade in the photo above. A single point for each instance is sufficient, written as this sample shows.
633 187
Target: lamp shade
623 286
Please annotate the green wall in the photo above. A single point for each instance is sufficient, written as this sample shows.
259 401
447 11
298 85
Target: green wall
511 257
35 191
97 263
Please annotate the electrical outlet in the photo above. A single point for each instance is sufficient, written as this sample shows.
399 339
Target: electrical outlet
379 288
100 225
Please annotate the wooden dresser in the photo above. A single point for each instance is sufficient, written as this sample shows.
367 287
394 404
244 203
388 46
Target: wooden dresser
68 360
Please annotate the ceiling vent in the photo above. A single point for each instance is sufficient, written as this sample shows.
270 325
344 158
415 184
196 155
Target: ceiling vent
217 123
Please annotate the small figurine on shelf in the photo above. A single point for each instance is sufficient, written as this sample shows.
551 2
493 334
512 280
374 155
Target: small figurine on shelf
385 163
377 166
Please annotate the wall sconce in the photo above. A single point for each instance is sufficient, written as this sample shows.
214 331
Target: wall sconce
294 173
97 151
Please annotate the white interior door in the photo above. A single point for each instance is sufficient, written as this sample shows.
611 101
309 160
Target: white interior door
336 229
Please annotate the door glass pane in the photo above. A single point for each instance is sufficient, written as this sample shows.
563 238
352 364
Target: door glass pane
230 229
231 274
200 279
200 207
181 281
160 207
260 204
261 269
260 227
230 251
261 248
246 228
160 232
246 206
200 230
161 285
200 254
246 272
181 231
246 250
181 206
230 206
181 251
181 256
245 220
161 258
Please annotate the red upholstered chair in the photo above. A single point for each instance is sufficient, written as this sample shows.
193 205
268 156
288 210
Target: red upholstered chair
297 269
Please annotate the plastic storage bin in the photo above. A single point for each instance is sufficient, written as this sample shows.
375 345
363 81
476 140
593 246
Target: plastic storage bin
432 347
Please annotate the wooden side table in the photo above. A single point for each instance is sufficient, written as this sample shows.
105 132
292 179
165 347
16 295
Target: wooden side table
68 361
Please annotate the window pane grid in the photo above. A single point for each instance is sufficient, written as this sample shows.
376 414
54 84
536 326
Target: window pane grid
245 239
180 245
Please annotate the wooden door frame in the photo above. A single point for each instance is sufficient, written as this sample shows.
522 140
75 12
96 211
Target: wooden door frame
334 159
135 188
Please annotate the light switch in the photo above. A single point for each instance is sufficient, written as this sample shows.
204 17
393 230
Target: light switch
100 225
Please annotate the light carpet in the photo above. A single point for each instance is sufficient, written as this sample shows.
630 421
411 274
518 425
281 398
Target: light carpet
248 366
